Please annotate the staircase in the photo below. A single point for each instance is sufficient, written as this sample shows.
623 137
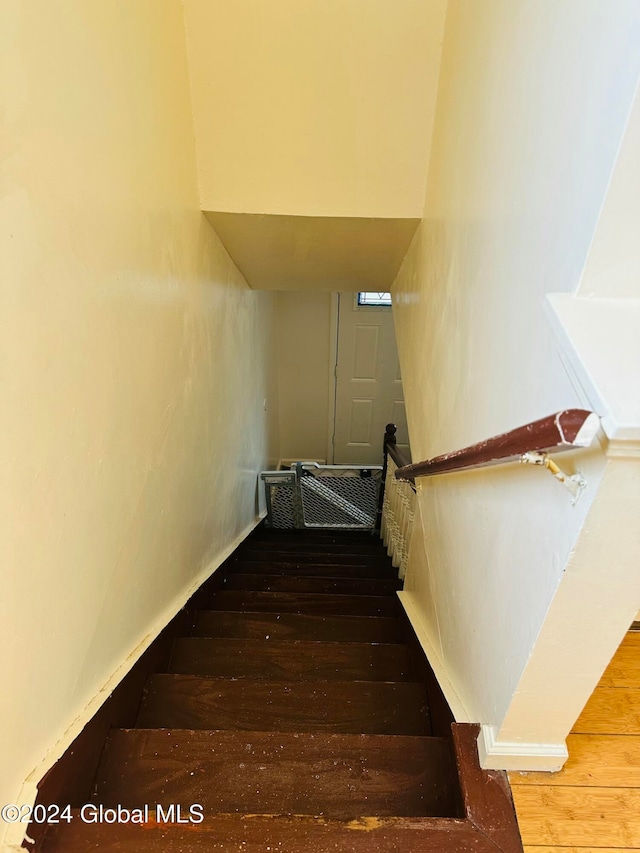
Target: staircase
293 716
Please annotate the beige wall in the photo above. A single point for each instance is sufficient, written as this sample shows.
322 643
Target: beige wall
135 362
317 108
532 105
304 333
330 253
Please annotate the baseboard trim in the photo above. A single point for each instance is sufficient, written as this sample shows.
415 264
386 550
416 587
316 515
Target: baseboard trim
454 701
496 755
15 833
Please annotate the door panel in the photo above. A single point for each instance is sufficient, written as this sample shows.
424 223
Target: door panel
399 418
368 384
365 352
360 422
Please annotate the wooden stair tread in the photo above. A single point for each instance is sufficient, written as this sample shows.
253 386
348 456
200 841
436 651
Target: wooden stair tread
298 626
252 833
333 585
299 660
307 552
298 602
358 707
299 567
332 775
302 538
338 558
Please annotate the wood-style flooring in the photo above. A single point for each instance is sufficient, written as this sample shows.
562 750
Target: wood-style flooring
593 804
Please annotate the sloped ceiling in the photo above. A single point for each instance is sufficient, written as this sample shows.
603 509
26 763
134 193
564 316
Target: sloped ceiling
315 252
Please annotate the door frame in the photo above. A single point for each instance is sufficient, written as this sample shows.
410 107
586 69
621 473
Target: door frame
334 329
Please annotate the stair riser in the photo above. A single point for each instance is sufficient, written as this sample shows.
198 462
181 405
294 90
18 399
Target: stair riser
302 661
318 604
295 626
190 702
256 833
303 538
321 557
319 547
309 569
331 585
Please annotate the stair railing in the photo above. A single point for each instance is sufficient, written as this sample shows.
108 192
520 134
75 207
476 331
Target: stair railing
570 429
398 503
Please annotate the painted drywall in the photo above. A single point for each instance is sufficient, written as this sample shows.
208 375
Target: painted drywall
600 588
316 108
613 266
304 347
599 338
329 253
597 333
135 366
532 104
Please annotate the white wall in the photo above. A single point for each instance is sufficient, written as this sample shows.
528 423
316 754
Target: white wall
135 363
613 267
316 108
532 104
304 331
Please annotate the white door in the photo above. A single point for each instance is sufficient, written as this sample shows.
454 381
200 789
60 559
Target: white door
368 384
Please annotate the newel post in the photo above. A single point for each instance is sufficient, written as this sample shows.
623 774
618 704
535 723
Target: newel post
389 436
389 439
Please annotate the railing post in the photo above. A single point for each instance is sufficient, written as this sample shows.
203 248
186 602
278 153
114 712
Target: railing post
396 504
389 438
390 435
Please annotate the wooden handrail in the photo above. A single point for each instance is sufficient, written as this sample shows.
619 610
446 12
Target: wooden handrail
566 430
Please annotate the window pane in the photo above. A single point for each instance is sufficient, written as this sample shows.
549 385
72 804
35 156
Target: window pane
369 298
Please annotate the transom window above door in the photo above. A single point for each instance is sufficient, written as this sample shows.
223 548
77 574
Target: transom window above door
375 300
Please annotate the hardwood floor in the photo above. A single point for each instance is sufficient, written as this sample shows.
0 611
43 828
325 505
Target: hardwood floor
593 804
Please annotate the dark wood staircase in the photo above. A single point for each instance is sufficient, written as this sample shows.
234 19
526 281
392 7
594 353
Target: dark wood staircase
297 712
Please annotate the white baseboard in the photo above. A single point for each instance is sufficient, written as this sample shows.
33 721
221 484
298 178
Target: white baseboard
14 832
495 755
460 713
